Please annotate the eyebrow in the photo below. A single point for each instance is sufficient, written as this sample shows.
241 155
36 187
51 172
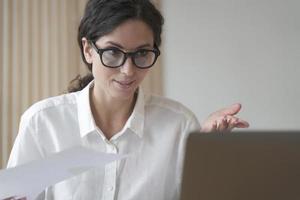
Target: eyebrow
120 46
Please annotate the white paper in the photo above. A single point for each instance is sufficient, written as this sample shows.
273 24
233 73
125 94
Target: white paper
30 179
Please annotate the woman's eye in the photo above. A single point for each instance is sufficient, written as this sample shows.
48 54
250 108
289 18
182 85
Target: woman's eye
142 53
113 53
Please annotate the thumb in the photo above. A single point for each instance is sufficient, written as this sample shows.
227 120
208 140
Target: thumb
232 110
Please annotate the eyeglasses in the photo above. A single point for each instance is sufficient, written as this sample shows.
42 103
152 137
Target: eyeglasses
114 57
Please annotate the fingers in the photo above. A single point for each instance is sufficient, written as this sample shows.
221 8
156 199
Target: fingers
214 126
222 124
231 110
242 124
228 122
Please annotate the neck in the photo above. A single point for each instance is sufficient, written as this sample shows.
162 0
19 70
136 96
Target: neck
110 114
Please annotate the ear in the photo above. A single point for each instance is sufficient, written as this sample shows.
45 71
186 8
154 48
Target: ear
87 50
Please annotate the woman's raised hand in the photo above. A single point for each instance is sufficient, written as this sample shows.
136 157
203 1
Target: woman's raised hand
224 120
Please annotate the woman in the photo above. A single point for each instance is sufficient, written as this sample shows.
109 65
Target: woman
107 111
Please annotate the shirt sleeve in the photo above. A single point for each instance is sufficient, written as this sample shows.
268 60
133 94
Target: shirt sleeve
192 124
26 147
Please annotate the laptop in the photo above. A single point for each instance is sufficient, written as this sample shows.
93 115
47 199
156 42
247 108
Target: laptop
242 166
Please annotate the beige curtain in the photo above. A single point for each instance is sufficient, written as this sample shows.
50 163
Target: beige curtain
38 58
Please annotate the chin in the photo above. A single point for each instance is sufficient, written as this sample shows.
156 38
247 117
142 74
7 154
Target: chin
124 95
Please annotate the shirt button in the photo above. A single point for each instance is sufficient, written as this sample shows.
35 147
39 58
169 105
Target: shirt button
110 188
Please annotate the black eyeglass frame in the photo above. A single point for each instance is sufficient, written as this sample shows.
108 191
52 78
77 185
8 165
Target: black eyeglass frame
156 52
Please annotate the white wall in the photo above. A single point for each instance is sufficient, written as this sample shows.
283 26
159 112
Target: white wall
217 52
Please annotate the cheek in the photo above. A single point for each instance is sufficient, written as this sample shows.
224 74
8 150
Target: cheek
97 66
142 73
102 73
96 60
98 72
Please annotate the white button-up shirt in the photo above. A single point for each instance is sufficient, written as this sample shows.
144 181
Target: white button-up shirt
154 137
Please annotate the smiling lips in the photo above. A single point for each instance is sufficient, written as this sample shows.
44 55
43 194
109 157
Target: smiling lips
125 84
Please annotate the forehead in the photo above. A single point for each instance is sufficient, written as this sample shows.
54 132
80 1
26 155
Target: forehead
130 34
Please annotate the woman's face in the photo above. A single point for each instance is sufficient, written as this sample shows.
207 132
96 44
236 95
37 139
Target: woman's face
121 82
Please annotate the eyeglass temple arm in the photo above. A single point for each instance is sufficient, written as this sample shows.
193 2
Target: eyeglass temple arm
94 46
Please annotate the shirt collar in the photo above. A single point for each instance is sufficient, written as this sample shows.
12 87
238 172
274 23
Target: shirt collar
86 120
137 118
85 117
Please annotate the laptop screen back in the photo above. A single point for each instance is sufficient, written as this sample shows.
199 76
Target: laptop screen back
242 166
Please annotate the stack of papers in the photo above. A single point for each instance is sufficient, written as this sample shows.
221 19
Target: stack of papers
30 179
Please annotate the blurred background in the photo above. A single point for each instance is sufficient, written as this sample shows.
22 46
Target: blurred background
214 53
218 52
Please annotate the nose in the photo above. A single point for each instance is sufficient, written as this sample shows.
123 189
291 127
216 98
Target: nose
128 67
